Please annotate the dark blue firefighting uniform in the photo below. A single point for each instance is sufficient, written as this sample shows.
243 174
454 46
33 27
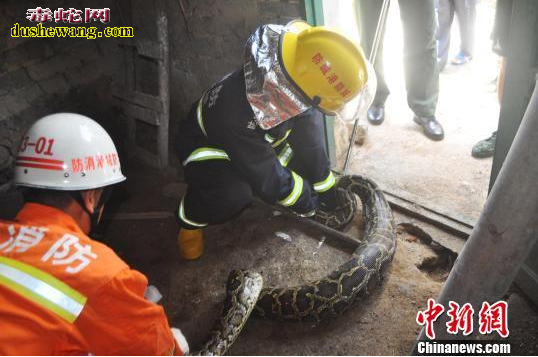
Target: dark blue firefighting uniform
227 158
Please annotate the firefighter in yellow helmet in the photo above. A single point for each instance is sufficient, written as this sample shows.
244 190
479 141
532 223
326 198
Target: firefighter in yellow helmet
259 130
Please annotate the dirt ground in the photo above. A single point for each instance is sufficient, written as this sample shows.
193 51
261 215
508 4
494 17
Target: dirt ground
381 324
439 175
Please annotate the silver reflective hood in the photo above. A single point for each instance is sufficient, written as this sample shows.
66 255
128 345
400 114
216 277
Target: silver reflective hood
273 98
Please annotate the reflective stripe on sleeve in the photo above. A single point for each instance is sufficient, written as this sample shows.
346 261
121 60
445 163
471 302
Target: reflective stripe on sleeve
269 138
199 116
285 155
42 288
185 219
280 141
295 192
272 141
205 153
326 184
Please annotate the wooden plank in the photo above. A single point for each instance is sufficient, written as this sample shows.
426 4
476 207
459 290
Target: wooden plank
153 110
144 47
446 223
149 49
135 216
143 114
310 223
164 90
145 156
138 98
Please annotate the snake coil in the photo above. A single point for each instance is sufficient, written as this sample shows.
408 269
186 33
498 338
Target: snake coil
333 294
327 297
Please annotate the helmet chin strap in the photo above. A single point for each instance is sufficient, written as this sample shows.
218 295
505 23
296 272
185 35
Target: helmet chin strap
94 217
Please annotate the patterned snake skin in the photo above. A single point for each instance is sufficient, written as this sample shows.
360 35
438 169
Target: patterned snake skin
320 299
333 294
242 291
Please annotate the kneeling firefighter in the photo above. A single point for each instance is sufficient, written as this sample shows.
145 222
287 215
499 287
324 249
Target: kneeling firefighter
259 130
61 292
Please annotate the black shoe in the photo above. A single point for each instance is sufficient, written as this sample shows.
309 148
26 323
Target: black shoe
376 114
432 128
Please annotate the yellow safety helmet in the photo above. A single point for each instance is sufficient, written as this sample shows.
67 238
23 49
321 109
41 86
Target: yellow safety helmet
329 68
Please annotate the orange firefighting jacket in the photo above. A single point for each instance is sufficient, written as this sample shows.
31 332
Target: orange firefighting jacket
64 293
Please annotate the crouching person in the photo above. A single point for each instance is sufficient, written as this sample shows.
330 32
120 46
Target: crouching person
259 131
60 291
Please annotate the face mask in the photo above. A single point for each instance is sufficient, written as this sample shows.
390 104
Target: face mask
358 106
94 217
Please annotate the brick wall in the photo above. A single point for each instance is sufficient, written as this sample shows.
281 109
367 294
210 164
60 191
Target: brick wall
39 76
208 42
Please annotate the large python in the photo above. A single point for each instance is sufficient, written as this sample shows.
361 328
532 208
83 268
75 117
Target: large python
333 294
327 297
242 291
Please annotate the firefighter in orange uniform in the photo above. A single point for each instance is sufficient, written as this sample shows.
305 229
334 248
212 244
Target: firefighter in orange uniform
60 291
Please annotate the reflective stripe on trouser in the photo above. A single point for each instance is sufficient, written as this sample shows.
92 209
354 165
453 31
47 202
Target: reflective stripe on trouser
295 192
41 288
206 153
285 155
184 218
326 184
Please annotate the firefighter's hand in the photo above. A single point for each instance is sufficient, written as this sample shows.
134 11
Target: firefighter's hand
342 214
307 206
329 200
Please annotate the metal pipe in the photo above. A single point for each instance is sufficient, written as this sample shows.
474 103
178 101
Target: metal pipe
505 233
379 31
371 57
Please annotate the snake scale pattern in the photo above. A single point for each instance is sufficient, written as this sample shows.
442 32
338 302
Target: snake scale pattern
321 299
333 294
242 291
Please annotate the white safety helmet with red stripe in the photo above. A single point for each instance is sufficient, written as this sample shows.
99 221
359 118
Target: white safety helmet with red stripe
67 152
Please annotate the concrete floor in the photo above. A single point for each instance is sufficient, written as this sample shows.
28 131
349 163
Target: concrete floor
382 323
